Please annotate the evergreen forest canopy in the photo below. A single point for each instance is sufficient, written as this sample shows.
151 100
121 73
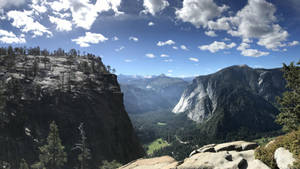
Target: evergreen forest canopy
37 51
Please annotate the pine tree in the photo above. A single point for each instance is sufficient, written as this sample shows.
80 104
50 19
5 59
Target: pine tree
85 152
23 164
289 117
52 155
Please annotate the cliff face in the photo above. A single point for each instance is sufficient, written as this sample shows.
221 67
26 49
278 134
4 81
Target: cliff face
235 97
36 90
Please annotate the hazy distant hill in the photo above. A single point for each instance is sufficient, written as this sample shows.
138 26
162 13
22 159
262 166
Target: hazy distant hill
144 94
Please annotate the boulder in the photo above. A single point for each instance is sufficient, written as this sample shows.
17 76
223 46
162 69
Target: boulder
223 160
164 162
207 157
206 148
284 158
235 146
257 164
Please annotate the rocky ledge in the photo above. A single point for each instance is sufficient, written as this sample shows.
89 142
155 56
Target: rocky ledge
233 155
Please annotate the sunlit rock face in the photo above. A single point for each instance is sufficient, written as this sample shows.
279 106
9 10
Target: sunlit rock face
235 97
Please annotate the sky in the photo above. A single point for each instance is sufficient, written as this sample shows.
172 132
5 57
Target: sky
150 37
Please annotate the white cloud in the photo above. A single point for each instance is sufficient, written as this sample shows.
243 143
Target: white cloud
199 12
10 37
164 56
84 13
210 33
220 24
150 55
151 24
168 42
154 6
263 27
170 71
216 46
115 38
168 60
128 60
183 47
135 39
120 48
256 20
25 22
226 39
61 24
245 51
89 38
9 3
175 47
39 6
294 43
194 59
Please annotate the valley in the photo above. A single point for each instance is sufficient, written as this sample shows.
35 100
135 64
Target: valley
235 103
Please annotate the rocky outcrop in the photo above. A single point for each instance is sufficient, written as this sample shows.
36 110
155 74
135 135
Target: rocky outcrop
284 158
233 98
233 155
164 162
36 90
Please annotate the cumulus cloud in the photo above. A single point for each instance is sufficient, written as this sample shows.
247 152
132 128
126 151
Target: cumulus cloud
263 27
25 22
216 46
10 37
245 51
183 47
175 47
115 38
199 12
154 6
194 59
210 33
151 24
150 55
120 48
9 3
128 60
294 43
39 6
135 39
168 60
61 24
256 20
164 56
84 13
168 42
89 38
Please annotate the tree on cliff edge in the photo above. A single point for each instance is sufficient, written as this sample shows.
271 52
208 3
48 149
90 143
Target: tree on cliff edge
289 117
52 155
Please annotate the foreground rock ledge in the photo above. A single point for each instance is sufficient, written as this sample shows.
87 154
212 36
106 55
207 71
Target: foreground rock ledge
233 155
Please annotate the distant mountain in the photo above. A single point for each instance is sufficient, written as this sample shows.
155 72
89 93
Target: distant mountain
232 99
35 90
144 94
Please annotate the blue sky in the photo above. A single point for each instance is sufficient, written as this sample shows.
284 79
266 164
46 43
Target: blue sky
150 37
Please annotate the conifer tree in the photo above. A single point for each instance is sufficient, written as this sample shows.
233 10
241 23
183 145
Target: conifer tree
52 155
23 164
289 117
85 152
